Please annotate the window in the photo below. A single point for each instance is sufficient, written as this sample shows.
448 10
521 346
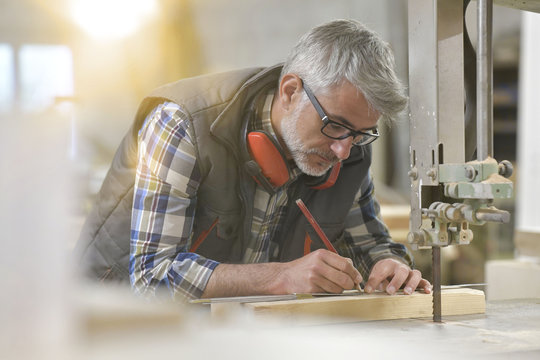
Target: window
7 74
45 72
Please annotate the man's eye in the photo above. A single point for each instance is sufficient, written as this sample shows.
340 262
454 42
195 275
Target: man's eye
335 127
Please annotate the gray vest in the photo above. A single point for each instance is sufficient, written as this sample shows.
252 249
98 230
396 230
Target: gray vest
217 105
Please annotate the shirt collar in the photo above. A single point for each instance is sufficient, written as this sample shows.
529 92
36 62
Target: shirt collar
263 121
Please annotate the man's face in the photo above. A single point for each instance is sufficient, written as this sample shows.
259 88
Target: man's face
313 152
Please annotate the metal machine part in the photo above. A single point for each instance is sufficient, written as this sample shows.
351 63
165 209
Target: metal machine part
448 191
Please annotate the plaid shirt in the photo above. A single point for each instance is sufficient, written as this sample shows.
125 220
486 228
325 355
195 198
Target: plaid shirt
165 193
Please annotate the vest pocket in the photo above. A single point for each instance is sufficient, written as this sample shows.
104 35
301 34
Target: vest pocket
217 235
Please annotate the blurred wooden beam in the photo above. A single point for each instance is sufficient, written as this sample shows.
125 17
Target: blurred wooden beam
379 306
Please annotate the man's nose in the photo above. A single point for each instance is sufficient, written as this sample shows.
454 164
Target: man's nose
342 148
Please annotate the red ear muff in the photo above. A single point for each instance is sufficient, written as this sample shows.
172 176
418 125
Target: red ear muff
272 169
269 157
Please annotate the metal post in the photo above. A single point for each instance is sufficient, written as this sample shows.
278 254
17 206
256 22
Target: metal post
436 266
484 80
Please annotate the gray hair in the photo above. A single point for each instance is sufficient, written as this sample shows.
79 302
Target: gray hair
346 50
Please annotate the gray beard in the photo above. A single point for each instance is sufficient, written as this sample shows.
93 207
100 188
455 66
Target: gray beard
297 149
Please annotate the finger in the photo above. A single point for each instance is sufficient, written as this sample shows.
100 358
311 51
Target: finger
324 271
358 279
346 266
426 286
337 277
329 286
315 288
401 273
382 286
412 282
378 274
343 265
322 278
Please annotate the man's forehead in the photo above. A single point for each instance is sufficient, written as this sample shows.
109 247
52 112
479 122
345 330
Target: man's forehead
348 105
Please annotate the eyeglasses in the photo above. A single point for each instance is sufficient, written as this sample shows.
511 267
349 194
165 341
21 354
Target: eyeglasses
335 130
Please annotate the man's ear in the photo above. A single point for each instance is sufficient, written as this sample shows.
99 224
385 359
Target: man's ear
290 88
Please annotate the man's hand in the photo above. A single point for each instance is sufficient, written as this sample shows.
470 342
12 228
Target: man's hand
391 274
320 271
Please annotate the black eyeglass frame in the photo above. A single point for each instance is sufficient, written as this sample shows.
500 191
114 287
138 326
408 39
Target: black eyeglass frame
326 121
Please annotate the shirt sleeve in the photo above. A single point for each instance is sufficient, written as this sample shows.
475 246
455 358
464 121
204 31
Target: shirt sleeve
366 238
165 191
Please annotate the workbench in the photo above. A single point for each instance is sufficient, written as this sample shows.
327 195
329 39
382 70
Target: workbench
509 329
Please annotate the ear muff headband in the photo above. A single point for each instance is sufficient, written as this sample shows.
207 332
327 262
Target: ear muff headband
269 157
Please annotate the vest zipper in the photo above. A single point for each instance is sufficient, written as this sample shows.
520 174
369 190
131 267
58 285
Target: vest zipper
295 190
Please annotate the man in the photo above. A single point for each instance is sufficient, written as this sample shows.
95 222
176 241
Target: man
200 198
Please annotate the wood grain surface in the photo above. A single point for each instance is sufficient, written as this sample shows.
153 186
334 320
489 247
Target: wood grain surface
375 306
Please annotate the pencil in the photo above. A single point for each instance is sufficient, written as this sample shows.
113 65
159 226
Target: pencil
315 225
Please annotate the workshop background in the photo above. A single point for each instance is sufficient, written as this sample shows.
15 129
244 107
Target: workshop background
72 73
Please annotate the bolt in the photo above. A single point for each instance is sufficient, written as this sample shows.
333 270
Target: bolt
443 238
470 173
415 237
506 168
452 190
431 173
413 173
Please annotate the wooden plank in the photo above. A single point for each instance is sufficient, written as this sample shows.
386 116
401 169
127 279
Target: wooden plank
527 243
375 306
512 279
396 218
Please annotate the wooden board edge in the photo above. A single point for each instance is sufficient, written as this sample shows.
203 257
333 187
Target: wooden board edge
375 306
